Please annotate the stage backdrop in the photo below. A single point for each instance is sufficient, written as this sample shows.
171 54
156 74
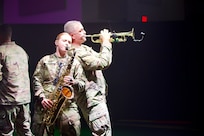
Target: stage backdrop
154 80
59 11
41 11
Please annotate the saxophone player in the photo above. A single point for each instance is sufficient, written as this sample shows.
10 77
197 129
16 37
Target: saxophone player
48 77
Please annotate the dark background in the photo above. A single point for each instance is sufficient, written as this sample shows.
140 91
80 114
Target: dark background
152 82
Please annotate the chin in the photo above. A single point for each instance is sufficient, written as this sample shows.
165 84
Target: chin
83 39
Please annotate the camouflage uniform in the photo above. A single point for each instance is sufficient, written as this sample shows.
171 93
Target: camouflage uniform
95 110
48 69
15 95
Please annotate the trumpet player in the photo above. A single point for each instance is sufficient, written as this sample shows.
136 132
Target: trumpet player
92 101
49 70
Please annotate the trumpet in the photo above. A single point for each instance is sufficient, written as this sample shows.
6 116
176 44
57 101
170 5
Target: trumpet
117 37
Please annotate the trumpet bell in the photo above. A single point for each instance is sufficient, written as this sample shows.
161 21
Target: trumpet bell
122 36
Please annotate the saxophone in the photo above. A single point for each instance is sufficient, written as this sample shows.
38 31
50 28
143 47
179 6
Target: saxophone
62 93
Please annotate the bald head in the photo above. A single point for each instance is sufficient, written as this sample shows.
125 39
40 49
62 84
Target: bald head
71 26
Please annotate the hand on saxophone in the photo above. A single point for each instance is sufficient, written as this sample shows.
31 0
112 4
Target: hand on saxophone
69 80
46 103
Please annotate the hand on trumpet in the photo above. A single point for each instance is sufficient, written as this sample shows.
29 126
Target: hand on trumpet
105 35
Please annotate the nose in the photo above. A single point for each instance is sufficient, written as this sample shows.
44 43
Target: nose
84 31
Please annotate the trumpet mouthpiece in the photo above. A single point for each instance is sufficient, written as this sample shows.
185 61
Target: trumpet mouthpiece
87 35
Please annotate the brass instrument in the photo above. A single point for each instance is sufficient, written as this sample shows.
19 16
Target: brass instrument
62 93
117 37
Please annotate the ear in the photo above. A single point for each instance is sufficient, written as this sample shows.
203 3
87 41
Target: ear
56 42
73 36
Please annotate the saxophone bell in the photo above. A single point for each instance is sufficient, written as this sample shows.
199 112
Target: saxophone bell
67 92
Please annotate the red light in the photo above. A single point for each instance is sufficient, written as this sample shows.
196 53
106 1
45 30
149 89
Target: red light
144 19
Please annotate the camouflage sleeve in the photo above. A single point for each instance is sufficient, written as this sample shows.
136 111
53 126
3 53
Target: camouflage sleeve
79 76
0 72
1 67
38 80
92 60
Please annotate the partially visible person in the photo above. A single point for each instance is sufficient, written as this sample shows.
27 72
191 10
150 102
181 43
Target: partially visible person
92 101
15 94
52 72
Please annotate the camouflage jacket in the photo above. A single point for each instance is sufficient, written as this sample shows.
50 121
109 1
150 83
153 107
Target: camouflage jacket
93 64
49 70
14 75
